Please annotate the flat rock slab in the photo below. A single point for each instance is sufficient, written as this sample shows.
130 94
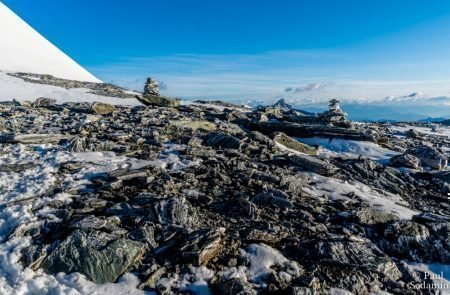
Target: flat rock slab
101 257
313 164
32 138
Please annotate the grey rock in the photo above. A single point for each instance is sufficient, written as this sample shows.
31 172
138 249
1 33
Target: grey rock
90 222
34 255
358 254
145 234
153 278
429 157
407 239
405 160
412 133
158 101
312 164
223 140
101 257
371 216
172 211
78 145
32 138
44 102
202 246
301 291
233 286
273 198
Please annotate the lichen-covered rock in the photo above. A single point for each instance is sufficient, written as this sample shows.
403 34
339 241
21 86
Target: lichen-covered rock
101 257
293 144
103 108
158 101
371 216
44 102
194 125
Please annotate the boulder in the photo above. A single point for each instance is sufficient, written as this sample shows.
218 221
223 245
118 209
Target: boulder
202 246
293 144
44 102
429 157
371 216
158 101
101 257
103 108
405 160
407 239
411 133
232 286
357 254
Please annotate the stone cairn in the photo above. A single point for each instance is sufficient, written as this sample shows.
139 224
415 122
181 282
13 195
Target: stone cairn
151 87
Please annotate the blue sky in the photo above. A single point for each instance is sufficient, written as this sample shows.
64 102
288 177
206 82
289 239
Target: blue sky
365 52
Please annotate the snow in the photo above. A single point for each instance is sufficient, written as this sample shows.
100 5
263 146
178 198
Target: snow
263 258
38 174
339 189
16 88
196 281
25 50
440 130
350 148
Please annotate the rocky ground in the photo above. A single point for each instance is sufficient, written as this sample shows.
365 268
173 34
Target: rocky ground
209 198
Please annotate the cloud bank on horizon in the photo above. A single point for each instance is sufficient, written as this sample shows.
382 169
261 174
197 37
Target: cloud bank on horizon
408 70
304 78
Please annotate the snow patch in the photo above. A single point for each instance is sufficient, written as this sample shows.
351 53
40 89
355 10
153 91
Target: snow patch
350 148
339 189
263 258
16 88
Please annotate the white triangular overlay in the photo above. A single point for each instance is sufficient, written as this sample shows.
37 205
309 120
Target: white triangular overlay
22 49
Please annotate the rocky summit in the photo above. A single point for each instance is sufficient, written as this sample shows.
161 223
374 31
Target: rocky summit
211 198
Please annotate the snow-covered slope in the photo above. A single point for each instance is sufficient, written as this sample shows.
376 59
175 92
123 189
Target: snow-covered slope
22 49
16 88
